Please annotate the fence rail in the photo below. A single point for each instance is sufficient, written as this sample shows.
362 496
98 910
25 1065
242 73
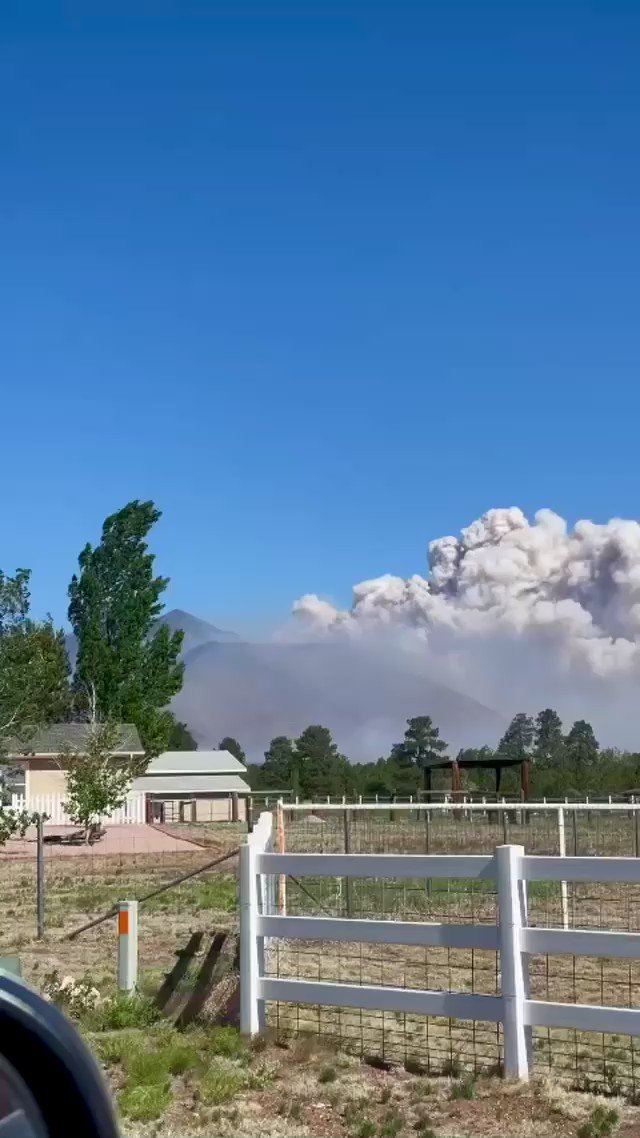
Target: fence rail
514 940
130 813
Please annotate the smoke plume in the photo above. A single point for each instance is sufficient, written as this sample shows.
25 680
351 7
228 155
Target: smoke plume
514 613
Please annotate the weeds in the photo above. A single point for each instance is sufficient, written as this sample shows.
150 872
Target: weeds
600 1124
465 1088
144 1103
220 1083
365 1129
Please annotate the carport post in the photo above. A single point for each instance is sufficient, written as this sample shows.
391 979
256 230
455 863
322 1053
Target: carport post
127 945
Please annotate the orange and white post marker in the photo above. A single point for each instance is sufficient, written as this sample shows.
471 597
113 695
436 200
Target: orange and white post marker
127 945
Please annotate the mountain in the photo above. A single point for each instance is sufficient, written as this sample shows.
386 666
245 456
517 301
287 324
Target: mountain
196 631
256 691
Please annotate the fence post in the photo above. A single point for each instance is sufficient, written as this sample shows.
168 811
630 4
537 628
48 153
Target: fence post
562 850
40 877
249 958
249 813
513 987
636 815
347 850
282 881
127 945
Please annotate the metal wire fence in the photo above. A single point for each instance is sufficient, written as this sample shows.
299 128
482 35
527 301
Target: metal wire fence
586 1060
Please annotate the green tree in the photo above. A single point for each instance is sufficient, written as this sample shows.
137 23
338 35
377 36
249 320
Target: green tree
517 740
548 748
124 669
280 767
34 668
180 738
420 747
233 747
322 770
96 783
581 747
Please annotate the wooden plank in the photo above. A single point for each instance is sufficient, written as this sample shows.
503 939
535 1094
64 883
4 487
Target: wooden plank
458 1005
379 932
378 865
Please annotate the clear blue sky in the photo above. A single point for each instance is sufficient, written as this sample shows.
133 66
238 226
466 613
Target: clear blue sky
324 280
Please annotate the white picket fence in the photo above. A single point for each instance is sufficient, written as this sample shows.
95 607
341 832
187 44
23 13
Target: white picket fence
509 867
132 812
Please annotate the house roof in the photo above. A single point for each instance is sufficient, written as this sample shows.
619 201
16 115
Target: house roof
185 785
194 762
58 737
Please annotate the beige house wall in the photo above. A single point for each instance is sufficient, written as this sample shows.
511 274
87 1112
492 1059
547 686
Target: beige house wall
46 779
218 809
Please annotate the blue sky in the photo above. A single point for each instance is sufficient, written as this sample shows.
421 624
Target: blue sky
324 280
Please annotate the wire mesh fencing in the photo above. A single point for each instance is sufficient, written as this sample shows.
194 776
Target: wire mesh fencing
438 1045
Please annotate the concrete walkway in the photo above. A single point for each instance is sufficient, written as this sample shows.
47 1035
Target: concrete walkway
118 840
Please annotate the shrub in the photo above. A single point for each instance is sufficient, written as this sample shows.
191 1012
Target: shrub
147 1067
144 1103
114 1048
327 1075
600 1124
220 1083
227 1041
365 1129
125 1011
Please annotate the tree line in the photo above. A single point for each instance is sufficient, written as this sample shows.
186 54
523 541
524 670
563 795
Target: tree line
561 762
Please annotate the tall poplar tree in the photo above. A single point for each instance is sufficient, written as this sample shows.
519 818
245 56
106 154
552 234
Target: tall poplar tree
125 671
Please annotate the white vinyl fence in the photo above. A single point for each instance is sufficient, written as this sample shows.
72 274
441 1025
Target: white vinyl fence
133 810
509 867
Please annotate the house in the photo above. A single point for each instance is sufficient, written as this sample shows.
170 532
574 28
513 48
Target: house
194 786
37 767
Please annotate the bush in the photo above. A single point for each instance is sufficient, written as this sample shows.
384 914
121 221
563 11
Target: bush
227 1041
144 1103
600 1124
114 1048
147 1067
125 1011
220 1083
365 1129
328 1075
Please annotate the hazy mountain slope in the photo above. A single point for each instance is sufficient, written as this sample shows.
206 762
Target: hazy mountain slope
196 631
256 691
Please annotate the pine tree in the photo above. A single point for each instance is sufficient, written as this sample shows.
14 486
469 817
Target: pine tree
279 770
517 740
549 740
321 768
420 747
233 747
581 746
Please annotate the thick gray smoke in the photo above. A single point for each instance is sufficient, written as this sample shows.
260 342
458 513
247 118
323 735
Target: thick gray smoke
515 613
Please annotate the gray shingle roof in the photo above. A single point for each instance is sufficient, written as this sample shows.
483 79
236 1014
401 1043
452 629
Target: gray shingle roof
59 736
195 762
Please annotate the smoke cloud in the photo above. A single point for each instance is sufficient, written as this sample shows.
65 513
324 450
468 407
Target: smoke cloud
514 613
